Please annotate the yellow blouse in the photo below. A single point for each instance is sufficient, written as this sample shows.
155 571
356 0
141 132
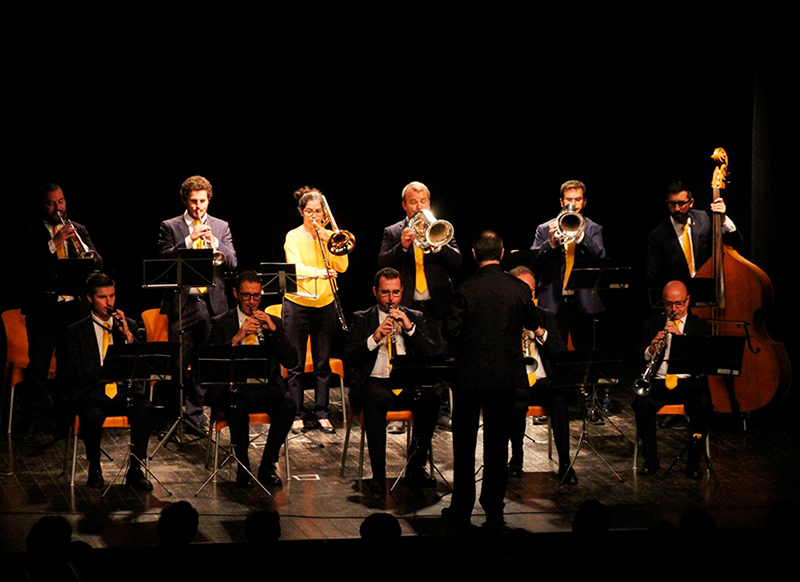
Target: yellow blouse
302 249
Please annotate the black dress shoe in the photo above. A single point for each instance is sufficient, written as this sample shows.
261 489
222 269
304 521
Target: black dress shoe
567 476
377 485
515 467
327 428
693 459
244 480
419 478
445 423
95 479
649 467
454 515
135 478
268 476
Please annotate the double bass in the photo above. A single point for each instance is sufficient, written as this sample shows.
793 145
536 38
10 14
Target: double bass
744 296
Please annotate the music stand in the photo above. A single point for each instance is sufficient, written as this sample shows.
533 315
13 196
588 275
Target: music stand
191 268
419 373
585 368
132 363
704 355
226 368
282 279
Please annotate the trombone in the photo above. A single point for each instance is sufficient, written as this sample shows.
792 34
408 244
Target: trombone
341 242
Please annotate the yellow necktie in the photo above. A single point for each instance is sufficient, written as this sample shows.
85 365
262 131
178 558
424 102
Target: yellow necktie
671 380
569 255
687 249
61 252
251 339
199 244
419 263
111 387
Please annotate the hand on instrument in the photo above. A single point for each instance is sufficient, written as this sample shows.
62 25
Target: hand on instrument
383 330
718 206
672 327
121 323
654 345
552 228
407 238
396 314
264 320
64 234
201 231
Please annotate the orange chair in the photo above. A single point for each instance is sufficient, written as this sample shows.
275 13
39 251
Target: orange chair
673 410
220 422
110 422
17 354
156 325
336 364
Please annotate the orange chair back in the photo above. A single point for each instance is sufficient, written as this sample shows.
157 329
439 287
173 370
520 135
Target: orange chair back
156 325
17 346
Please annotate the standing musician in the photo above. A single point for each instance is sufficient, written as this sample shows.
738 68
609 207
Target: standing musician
246 324
305 317
88 341
427 285
48 239
195 228
377 335
681 244
485 326
691 391
542 345
574 311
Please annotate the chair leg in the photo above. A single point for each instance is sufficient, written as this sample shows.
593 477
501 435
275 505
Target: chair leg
361 454
74 458
11 409
346 445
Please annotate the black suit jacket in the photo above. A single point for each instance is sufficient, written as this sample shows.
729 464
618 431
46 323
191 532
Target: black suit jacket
551 265
172 237
84 369
694 326
485 325
225 326
361 359
552 345
438 268
42 265
665 260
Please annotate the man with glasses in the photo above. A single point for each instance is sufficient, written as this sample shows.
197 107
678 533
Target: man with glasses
681 244
246 324
691 391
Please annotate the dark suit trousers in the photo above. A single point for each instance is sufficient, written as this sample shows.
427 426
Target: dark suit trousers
241 402
195 318
541 393
93 408
376 399
467 407
693 393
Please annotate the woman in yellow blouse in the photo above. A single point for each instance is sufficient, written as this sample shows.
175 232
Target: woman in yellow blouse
313 317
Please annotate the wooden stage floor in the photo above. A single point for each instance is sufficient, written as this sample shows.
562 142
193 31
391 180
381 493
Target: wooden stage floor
752 469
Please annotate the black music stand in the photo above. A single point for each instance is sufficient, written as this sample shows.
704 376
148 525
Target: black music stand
132 363
704 356
191 268
281 279
419 373
584 368
227 368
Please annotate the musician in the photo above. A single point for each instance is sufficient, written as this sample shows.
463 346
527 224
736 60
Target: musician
195 228
427 285
574 311
88 341
485 326
314 317
544 343
691 391
682 243
46 240
377 334
246 324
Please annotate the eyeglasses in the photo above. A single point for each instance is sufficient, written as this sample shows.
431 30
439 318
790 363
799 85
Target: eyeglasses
310 212
248 296
677 203
677 304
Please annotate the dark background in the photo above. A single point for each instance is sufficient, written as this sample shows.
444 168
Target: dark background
493 128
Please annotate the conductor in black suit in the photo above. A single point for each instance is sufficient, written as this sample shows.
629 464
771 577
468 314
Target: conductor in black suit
48 314
691 391
485 326
376 335
195 228
541 346
88 340
426 277
246 324
682 243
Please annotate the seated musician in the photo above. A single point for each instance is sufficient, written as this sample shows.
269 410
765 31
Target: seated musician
246 324
543 343
691 391
376 335
88 341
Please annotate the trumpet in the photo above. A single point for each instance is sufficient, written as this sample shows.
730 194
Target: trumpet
81 249
430 234
341 242
569 225
642 385
218 257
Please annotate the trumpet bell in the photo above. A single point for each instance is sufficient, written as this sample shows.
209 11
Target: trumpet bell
430 234
569 225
